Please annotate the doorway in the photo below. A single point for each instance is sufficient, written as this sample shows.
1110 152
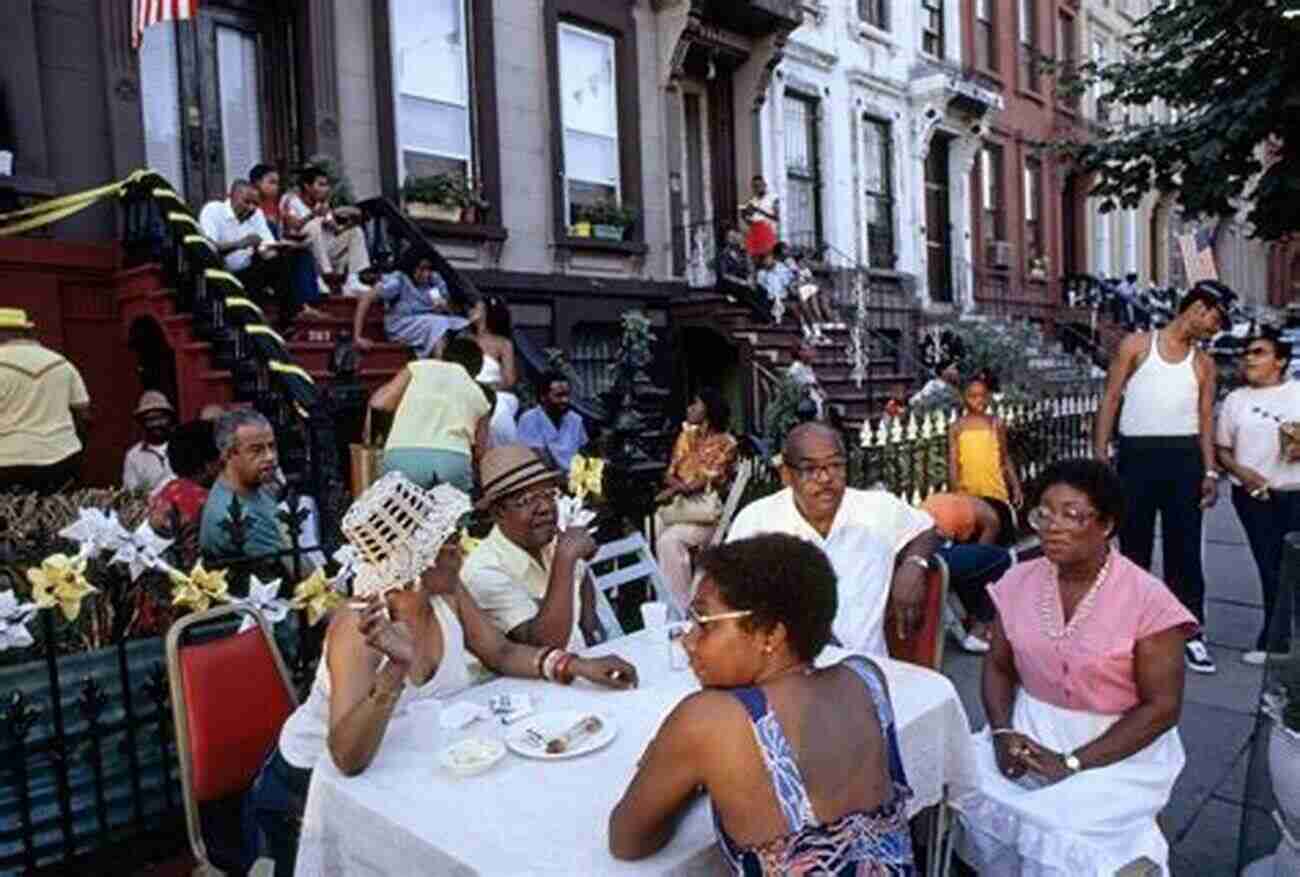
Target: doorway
938 221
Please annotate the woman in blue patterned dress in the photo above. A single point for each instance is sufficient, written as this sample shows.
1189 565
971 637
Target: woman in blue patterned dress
800 763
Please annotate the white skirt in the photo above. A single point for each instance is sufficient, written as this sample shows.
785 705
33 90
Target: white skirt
1092 823
502 429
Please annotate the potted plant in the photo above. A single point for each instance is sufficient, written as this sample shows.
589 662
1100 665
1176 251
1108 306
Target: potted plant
581 227
475 206
440 197
610 220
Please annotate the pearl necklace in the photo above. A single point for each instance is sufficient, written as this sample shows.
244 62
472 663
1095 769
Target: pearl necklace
1046 607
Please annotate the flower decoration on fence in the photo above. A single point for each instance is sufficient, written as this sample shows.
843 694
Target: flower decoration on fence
14 618
468 543
61 581
95 531
347 559
316 596
142 550
200 588
587 477
265 598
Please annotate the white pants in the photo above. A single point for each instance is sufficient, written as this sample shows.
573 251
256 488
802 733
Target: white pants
673 550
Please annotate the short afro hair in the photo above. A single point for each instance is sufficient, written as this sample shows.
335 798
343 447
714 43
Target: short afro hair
717 410
192 447
465 352
779 578
1093 479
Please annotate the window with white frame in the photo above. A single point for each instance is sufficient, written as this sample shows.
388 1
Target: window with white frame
932 27
1099 52
160 68
1035 251
803 182
1028 36
877 164
874 13
993 222
589 111
431 64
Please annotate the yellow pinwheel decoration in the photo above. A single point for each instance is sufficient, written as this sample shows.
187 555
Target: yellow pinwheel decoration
200 589
586 476
60 581
316 596
468 543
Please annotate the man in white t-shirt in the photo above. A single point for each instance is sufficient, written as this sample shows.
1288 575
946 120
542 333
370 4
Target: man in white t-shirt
880 547
1265 475
334 236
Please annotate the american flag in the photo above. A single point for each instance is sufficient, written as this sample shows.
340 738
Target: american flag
147 12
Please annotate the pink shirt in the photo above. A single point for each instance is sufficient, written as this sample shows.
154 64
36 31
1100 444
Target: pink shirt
1092 670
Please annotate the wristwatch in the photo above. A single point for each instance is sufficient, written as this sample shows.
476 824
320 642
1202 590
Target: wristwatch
1213 473
1072 763
923 562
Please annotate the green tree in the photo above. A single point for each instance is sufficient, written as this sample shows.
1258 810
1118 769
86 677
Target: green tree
1228 71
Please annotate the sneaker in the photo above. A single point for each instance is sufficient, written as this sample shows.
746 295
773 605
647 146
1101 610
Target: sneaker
1258 657
1198 657
968 641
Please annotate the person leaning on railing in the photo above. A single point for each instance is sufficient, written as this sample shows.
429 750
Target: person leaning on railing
404 646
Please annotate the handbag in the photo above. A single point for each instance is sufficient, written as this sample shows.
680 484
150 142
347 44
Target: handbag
701 508
366 459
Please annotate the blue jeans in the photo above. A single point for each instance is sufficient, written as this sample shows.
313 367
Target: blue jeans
971 567
426 467
274 808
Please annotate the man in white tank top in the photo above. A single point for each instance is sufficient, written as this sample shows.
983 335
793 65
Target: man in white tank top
1166 445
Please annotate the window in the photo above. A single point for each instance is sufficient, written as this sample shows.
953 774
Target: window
1101 255
992 213
1028 45
1099 52
1130 241
162 104
1069 58
431 64
241 101
986 36
932 27
802 226
1033 194
589 110
873 12
879 184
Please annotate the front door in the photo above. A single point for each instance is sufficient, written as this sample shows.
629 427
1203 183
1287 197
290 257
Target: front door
938 223
223 100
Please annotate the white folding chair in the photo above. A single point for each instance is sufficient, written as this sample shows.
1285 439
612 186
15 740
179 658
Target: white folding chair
744 472
630 561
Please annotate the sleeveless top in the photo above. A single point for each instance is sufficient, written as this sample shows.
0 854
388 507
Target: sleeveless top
303 738
979 455
490 373
1161 398
878 843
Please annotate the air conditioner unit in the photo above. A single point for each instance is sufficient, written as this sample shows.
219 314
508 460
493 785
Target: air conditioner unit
999 254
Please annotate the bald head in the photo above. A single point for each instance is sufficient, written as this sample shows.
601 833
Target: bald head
801 440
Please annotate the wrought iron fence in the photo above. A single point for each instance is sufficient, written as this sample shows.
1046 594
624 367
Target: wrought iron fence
86 734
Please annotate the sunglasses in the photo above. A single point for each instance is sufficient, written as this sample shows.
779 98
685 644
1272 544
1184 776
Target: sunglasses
697 622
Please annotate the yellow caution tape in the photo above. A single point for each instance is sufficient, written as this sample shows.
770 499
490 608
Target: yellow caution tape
235 301
218 274
200 239
166 193
177 216
55 209
266 330
288 369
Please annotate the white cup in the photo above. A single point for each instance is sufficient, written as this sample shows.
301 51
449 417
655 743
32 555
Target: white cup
654 614
6 163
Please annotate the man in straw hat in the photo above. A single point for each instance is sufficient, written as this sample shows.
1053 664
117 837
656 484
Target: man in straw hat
145 467
44 407
527 576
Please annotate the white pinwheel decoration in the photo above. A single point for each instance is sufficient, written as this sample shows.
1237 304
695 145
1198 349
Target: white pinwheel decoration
571 511
347 558
14 617
96 531
265 598
143 550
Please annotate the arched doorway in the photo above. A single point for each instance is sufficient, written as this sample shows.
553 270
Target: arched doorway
703 357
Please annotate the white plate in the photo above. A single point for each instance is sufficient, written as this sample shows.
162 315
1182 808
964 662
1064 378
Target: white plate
553 724
471 756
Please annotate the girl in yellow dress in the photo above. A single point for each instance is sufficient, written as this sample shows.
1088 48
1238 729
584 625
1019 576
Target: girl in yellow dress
978 459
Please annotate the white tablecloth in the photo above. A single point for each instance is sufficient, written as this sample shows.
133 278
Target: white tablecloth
405 815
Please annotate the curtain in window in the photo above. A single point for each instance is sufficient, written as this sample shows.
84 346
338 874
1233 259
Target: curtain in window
431 72
241 101
589 107
878 177
802 182
162 104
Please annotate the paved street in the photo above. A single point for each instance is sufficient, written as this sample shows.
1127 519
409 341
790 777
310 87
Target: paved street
1204 819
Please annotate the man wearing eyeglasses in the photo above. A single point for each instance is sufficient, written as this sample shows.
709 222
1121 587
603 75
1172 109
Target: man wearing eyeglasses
528 576
880 547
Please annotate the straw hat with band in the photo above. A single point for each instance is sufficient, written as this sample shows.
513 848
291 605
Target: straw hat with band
152 400
15 318
510 469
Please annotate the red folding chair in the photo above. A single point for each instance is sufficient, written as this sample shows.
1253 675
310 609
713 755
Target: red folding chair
230 697
925 647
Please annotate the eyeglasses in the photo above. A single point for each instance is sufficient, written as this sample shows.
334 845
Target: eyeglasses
697 622
1069 518
532 499
831 470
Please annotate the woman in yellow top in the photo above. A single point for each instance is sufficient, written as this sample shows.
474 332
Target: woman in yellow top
978 461
703 459
442 417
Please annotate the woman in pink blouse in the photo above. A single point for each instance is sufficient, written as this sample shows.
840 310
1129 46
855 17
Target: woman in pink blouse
1083 688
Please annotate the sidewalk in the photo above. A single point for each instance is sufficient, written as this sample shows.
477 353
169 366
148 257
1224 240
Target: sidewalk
1204 818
